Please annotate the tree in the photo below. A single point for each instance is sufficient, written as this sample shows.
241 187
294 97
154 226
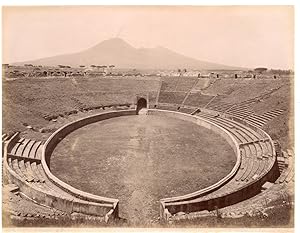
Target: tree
260 69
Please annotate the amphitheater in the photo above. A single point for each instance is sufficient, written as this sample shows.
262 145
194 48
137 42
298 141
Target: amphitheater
253 117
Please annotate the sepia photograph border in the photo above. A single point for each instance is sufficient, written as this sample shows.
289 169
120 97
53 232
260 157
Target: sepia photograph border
178 3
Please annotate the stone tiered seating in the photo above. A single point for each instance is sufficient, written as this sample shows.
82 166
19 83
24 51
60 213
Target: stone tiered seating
225 124
171 97
273 113
217 104
175 90
189 92
198 100
5 137
257 202
243 111
73 94
152 96
256 161
240 111
169 83
283 162
253 120
255 142
261 120
27 148
201 84
36 150
242 133
187 110
170 107
25 159
185 84
26 169
259 150
287 171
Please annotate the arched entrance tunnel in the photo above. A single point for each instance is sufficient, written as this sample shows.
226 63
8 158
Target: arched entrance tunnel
141 103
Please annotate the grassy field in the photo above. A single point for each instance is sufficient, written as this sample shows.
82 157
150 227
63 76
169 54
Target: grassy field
141 159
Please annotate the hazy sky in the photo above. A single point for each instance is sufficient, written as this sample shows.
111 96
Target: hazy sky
247 36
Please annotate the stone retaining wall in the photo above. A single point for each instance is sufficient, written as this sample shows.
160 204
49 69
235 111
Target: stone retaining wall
55 201
58 135
188 203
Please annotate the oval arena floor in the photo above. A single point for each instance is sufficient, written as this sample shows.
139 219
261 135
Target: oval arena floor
141 159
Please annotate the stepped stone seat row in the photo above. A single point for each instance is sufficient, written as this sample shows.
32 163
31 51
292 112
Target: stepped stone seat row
257 161
255 122
256 202
24 167
242 133
254 141
186 84
5 137
251 117
27 148
37 180
252 171
252 168
239 109
261 120
258 145
169 84
220 107
34 176
246 177
186 110
256 119
241 113
287 175
288 172
198 99
171 97
32 172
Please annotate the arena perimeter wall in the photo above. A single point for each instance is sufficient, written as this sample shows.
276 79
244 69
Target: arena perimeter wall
62 132
187 203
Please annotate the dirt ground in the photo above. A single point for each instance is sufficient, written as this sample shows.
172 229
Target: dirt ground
141 159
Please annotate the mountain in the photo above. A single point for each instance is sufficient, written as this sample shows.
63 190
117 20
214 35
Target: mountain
121 54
